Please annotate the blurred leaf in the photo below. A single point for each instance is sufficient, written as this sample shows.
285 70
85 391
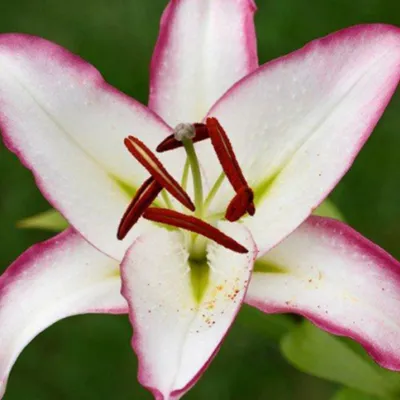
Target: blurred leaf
272 326
320 354
392 378
50 220
328 209
351 394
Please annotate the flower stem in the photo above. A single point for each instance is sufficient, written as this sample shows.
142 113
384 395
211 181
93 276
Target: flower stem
196 175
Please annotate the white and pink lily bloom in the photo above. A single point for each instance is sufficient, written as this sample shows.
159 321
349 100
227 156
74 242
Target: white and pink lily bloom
295 125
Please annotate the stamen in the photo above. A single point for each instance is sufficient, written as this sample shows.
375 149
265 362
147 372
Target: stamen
225 154
242 202
193 224
145 195
185 174
171 142
214 190
251 209
143 154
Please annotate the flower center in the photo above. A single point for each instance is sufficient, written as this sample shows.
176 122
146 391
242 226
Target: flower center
160 181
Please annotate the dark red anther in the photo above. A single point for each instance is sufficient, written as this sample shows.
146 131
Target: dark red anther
145 195
170 143
251 209
193 224
242 202
143 154
225 154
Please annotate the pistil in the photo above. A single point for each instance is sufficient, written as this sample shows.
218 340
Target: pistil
196 175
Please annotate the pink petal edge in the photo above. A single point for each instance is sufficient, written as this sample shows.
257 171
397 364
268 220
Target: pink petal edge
35 258
327 41
353 239
87 73
166 24
16 270
136 344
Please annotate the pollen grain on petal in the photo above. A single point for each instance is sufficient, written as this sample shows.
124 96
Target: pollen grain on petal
145 195
193 224
145 156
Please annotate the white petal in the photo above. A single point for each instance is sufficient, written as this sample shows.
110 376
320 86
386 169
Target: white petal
342 282
204 47
298 122
52 280
67 125
175 335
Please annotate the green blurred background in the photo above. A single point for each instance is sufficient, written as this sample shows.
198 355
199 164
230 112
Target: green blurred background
89 357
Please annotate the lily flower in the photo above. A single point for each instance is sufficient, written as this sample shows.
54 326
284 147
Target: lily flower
291 129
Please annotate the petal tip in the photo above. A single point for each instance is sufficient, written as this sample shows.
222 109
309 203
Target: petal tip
252 5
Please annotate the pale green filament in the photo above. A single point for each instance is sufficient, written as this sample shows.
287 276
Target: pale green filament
215 217
167 200
214 190
185 175
196 175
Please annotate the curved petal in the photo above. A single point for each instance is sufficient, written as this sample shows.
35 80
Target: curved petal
52 280
298 122
203 48
67 125
177 332
339 280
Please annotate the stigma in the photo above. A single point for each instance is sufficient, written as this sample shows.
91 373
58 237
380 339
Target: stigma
171 142
184 131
